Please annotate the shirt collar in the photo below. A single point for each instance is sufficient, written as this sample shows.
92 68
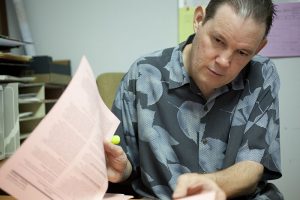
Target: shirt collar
178 75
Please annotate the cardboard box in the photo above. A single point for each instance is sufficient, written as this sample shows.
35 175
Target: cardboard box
48 71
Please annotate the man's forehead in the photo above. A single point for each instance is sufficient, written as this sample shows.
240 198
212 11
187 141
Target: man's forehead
243 33
225 10
226 15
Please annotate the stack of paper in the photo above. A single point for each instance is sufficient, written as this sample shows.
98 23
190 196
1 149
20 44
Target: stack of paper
63 158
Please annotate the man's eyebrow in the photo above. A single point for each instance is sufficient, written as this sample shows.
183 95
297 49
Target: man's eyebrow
221 37
247 50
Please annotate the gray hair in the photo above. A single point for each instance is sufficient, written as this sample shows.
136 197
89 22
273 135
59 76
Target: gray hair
262 11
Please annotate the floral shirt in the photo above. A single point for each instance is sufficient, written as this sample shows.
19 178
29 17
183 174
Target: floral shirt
167 127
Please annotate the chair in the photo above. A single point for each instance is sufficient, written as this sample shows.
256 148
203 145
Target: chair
107 85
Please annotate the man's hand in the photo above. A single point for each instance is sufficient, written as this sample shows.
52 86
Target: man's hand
117 164
193 183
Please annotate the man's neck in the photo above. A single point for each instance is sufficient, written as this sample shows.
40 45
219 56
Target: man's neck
186 54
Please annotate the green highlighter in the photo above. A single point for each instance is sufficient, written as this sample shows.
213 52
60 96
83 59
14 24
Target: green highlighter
116 139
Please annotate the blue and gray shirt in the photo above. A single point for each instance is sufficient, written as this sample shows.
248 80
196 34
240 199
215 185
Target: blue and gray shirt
168 128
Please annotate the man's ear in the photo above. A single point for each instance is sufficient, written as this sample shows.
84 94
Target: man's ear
198 17
262 44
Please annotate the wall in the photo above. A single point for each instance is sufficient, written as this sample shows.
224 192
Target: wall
289 70
113 33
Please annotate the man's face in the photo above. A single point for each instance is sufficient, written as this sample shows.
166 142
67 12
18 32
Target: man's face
222 47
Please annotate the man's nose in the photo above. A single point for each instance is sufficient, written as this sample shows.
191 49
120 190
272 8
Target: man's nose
224 58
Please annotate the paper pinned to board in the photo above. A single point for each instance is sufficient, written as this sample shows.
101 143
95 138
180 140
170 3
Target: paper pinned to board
63 158
284 37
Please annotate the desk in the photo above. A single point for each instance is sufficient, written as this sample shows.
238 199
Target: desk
6 198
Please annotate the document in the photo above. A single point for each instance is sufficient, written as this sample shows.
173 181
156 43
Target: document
203 196
63 158
284 37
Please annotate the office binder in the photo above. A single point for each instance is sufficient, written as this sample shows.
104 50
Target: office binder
11 118
2 147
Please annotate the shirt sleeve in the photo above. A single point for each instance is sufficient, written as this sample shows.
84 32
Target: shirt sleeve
261 139
124 107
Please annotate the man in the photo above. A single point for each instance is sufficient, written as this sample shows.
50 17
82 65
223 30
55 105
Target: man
206 109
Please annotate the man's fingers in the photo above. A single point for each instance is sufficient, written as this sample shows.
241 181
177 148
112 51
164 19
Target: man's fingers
221 195
195 189
112 149
192 183
181 188
178 193
187 190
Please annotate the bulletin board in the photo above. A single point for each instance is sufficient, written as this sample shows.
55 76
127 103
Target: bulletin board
185 18
284 37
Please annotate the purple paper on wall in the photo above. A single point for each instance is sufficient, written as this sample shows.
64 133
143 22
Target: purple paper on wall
284 37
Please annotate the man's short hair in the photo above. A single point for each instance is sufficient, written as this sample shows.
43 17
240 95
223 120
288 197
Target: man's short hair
262 11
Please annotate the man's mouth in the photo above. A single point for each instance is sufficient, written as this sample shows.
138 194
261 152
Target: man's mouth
215 72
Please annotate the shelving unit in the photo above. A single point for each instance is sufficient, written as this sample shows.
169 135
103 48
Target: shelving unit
32 107
29 88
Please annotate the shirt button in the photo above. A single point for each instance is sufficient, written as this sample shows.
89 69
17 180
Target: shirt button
204 141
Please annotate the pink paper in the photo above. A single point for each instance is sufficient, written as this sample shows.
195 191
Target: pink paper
284 37
64 157
202 196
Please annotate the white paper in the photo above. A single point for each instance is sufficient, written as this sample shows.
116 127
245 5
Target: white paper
63 158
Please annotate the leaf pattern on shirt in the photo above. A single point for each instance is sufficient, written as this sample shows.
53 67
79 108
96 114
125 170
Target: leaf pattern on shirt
245 153
174 72
129 97
188 116
118 101
158 138
124 96
149 83
243 109
176 170
213 151
261 121
267 72
162 191
272 140
145 174
161 144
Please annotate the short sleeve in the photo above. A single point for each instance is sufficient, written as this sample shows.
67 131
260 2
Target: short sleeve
261 140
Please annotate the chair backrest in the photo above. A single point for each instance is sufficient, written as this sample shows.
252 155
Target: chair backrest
107 85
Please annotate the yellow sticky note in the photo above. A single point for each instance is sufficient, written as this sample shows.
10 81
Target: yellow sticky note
185 22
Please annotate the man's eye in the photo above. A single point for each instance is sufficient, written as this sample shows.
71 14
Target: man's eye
218 40
242 53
